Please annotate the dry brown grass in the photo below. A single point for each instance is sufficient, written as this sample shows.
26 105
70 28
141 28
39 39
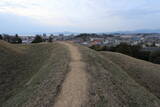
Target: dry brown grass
111 86
145 73
31 78
13 48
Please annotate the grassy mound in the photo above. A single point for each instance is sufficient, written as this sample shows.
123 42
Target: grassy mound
30 75
145 73
112 85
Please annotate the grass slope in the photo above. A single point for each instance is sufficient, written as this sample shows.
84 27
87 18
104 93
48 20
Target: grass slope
112 86
145 73
30 75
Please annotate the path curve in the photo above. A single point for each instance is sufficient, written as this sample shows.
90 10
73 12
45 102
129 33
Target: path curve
75 87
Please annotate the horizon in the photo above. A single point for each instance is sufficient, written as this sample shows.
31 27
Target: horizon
80 16
141 31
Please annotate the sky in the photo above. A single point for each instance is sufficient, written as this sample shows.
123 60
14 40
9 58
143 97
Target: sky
31 16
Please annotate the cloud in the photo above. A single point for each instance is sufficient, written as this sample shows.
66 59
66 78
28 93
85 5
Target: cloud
37 9
85 15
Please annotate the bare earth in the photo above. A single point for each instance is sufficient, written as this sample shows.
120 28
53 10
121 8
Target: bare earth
74 91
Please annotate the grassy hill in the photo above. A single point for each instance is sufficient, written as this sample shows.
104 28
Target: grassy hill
121 81
30 75
145 73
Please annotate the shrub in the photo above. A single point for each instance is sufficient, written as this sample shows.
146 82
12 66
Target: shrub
37 39
1 37
16 39
124 49
155 57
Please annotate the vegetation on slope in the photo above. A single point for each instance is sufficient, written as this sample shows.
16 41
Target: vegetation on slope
111 86
30 75
135 51
145 73
33 74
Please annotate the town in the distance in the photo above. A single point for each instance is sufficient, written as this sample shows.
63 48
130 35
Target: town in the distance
144 46
146 40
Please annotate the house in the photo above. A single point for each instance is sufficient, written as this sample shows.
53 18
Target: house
157 44
96 42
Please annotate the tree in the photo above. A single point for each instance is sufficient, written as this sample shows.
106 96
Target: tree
135 50
16 39
19 40
144 55
84 36
124 48
37 39
155 57
1 37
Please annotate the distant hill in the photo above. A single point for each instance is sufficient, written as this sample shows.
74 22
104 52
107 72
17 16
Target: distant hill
140 31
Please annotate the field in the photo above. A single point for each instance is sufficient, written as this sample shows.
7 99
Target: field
65 74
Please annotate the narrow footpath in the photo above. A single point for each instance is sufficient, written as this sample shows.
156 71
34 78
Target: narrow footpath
74 92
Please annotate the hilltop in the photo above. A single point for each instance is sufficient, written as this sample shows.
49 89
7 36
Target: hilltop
28 73
45 74
114 83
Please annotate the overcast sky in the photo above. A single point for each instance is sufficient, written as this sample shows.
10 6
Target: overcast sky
28 16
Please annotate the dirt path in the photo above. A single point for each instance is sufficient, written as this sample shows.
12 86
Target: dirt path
74 89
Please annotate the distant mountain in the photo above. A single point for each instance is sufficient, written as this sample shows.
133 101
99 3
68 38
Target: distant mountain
48 33
76 33
140 31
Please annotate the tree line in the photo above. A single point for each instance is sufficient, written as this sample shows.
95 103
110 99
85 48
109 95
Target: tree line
135 51
38 39
17 40
11 39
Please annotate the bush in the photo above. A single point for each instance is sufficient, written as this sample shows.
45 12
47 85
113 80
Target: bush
155 57
1 37
134 51
144 55
37 39
16 39
124 49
